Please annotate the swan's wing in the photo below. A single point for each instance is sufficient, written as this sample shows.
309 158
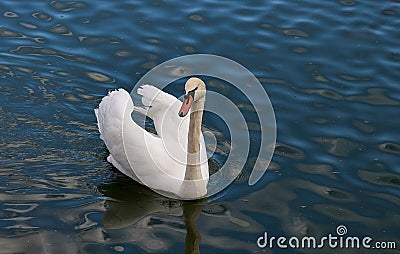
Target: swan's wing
163 109
155 100
134 151
110 114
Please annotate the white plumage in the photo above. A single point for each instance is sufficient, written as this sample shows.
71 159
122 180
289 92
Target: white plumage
157 161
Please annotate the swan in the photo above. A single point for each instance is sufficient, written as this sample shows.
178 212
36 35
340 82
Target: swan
174 161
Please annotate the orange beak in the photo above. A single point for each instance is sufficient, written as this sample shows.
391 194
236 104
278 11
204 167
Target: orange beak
186 104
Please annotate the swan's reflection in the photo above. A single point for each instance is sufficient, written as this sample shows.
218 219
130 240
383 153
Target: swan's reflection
128 202
132 205
191 213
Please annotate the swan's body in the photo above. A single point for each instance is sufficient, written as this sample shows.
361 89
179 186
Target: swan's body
174 161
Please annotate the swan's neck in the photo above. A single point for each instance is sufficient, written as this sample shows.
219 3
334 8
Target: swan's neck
193 171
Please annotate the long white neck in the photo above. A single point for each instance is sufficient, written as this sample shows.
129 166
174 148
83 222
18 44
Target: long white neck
193 171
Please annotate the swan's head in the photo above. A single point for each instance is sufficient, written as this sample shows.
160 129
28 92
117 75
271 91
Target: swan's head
195 90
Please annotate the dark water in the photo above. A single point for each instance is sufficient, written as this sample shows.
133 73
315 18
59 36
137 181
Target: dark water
331 69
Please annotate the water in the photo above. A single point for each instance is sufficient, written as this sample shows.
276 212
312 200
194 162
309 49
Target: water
331 69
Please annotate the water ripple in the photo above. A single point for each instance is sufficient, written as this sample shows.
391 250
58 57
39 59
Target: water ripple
329 68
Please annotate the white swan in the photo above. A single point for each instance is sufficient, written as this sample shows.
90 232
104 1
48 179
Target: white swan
172 162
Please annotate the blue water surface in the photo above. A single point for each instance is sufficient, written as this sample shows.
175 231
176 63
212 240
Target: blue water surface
330 68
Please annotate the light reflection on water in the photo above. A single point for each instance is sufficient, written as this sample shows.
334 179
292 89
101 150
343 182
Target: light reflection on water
330 71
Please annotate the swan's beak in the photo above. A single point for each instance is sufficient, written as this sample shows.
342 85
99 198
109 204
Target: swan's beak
186 104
